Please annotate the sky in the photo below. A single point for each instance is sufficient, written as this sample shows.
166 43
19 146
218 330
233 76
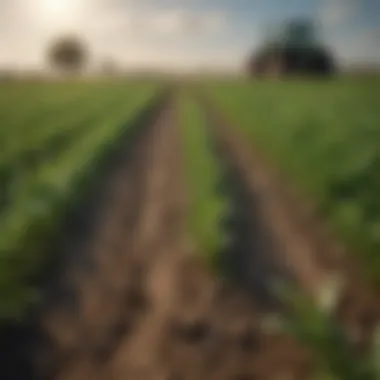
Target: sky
179 34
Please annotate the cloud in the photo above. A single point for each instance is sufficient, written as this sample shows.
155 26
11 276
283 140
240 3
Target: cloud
161 22
183 22
365 46
129 31
150 36
359 46
337 12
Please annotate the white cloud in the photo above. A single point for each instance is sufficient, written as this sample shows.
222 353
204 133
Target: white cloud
173 22
351 42
361 46
337 12
365 46
130 32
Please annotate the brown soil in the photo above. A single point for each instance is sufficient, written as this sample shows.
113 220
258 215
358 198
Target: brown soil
308 248
138 304
135 302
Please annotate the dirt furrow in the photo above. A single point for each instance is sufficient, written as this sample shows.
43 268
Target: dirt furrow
158 241
138 305
304 244
180 323
291 249
120 305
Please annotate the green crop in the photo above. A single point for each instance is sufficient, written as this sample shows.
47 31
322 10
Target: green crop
207 205
42 190
326 137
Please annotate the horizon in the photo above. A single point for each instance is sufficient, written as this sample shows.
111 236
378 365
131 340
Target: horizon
178 35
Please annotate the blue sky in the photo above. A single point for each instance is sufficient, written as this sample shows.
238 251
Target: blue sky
180 34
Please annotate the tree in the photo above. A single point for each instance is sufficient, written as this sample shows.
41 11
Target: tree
68 54
292 48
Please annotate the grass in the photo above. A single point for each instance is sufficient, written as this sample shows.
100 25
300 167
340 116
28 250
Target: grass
326 137
39 192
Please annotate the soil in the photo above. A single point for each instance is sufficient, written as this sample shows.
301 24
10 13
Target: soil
133 301
307 247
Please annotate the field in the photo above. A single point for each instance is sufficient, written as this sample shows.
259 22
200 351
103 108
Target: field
327 138
155 232
48 147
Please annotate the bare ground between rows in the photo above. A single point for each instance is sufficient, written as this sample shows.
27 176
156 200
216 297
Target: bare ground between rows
70 255
132 303
156 313
102 290
309 250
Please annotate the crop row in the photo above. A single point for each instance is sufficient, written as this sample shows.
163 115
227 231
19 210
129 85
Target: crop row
208 205
326 137
311 324
41 193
